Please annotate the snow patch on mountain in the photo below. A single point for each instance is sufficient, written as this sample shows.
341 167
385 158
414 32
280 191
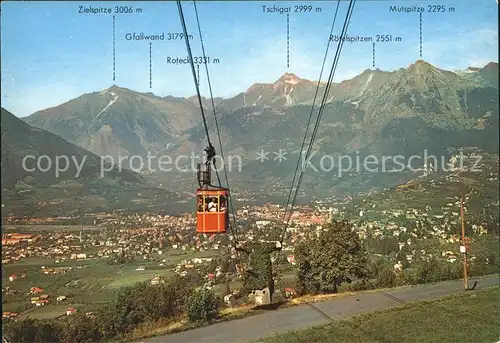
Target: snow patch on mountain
361 92
370 77
115 97
256 101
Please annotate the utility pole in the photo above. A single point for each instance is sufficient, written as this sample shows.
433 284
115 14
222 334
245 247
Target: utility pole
463 248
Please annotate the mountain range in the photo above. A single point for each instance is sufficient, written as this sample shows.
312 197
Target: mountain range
377 112
31 185
120 121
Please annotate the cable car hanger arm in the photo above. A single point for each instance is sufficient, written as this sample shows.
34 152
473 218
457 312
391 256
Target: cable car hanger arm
210 150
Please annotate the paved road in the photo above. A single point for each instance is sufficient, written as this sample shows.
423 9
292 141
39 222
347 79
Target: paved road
304 316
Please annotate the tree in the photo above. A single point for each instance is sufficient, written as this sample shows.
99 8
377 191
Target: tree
31 331
203 305
194 277
143 302
382 272
120 258
401 255
260 272
324 262
80 328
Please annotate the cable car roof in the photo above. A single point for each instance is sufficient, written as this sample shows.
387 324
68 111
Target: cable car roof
211 188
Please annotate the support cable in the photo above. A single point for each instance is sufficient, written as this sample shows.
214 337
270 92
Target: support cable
188 47
322 106
311 113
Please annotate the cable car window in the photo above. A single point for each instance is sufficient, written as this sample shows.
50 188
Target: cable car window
201 204
213 204
223 204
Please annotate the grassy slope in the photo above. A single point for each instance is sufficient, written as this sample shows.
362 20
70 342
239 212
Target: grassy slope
467 317
96 282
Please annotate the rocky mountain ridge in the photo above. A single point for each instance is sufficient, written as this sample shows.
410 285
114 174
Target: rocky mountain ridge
404 111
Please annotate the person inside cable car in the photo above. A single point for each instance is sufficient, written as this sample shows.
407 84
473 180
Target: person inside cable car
201 206
222 204
212 205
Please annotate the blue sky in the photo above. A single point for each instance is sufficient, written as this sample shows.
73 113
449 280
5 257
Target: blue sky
51 53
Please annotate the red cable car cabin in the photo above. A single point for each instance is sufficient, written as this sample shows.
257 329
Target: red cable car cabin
212 215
